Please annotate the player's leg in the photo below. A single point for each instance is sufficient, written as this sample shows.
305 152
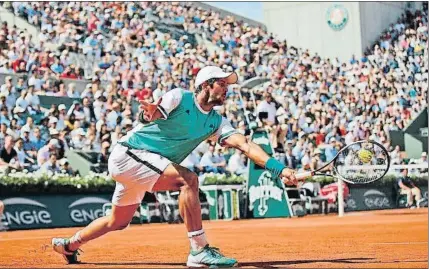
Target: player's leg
176 177
132 181
119 219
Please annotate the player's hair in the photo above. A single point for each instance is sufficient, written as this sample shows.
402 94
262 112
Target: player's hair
210 82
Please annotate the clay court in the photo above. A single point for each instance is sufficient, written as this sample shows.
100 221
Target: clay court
382 239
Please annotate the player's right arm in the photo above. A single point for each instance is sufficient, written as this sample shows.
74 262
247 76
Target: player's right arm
162 108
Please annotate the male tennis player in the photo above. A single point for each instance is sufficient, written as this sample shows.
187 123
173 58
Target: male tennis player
147 159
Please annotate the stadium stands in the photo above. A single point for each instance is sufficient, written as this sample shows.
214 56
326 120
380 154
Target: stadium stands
109 54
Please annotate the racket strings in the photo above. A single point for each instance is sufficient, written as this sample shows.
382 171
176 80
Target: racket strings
362 163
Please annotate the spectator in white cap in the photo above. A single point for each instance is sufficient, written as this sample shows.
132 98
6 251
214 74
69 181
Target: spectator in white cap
18 115
45 152
52 124
78 141
62 116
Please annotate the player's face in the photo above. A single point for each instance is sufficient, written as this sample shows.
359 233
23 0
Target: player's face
218 92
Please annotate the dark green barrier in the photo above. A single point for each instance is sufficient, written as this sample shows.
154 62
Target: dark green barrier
47 101
363 198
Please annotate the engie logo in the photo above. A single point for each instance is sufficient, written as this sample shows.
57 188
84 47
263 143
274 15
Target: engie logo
24 211
89 213
376 199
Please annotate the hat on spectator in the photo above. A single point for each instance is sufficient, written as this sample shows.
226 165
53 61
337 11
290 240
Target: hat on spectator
424 154
53 120
62 107
97 94
54 142
332 139
210 72
53 131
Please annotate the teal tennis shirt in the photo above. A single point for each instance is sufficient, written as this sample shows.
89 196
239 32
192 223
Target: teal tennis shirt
184 127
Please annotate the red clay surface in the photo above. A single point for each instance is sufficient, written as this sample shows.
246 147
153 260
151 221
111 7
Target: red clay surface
382 239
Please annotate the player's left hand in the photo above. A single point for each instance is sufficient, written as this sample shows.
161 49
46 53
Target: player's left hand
149 109
288 177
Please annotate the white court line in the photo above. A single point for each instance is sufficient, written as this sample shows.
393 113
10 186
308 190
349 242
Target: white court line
401 243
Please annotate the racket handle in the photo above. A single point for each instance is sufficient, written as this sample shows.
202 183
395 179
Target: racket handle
304 175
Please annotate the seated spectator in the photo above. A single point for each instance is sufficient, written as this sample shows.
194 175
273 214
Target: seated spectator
51 165
8 155
395 155
237 164
269 107
65 167
209 162
25 161
192 162
316 162
423 160
331 149
37 140
45 152
290 160
78 140
407 187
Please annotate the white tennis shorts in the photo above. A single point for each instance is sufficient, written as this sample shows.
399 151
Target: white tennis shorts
135 172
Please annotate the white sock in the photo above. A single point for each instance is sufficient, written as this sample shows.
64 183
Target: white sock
75 242
198 239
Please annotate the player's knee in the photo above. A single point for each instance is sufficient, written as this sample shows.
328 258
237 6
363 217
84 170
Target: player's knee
191 181
116 224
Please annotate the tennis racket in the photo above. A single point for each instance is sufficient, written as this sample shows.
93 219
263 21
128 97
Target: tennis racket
361 162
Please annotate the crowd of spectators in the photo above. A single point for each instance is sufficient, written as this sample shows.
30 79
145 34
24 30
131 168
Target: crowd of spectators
311 106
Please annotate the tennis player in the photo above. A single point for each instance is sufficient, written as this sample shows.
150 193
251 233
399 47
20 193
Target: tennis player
147 159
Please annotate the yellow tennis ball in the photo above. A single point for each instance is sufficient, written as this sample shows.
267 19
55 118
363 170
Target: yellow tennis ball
365 155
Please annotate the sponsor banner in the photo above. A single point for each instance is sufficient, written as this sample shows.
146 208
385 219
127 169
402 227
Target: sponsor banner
49 211
52 211
266 197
